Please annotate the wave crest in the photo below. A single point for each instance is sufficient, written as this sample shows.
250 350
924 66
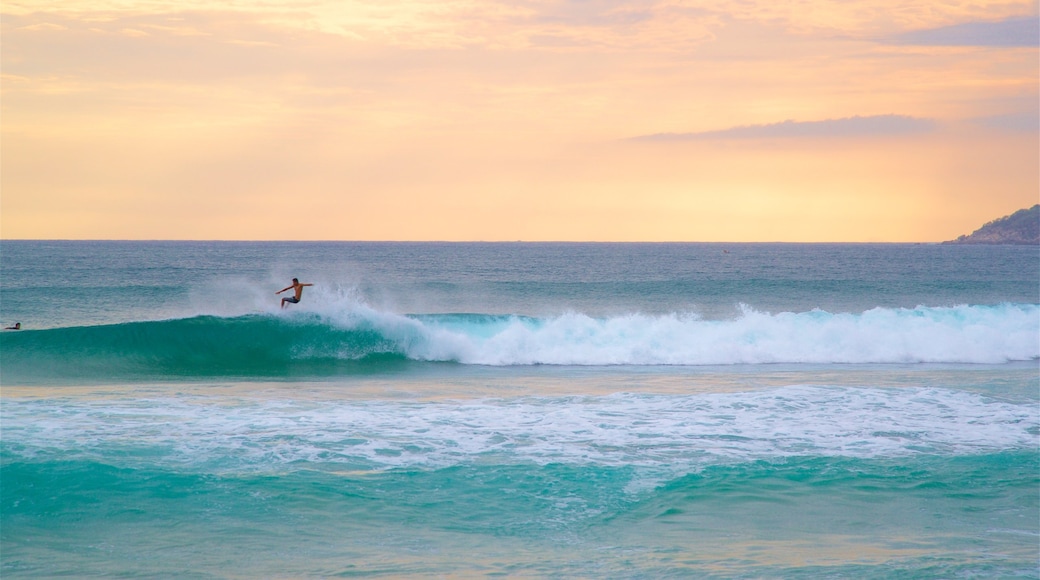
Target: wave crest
964 334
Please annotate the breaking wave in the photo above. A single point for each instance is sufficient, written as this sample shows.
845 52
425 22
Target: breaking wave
308 343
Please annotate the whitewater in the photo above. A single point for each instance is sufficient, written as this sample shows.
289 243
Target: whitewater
531 410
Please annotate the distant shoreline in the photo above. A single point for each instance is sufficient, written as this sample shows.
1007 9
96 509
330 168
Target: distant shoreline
1021 228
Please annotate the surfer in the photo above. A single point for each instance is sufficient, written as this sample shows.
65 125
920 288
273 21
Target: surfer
17 326
298 287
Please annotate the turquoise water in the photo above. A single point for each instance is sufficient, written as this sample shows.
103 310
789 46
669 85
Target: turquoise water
530 410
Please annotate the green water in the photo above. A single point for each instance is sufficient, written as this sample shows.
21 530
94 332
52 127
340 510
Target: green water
931 517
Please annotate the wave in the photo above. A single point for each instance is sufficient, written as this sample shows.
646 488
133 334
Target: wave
309 343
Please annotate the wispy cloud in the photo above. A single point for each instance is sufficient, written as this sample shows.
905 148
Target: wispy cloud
49 26
1027 122
848 127
1014 32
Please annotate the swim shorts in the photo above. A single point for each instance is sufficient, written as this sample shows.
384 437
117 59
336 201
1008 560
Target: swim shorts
292 299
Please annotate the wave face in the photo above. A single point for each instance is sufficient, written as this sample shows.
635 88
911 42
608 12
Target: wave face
272 345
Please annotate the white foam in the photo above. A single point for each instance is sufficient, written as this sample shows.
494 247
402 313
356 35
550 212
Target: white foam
657 432
963 334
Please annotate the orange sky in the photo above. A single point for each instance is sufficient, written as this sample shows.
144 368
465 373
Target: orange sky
613 120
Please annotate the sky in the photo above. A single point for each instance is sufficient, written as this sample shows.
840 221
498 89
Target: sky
533 120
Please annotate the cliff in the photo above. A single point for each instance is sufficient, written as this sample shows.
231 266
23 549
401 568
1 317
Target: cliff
1021 227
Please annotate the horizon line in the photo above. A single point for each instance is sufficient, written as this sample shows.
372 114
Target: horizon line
402 241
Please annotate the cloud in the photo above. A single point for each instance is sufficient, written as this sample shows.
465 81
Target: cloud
44 26
1028 122
183 49
876 125
601 13
1014 32
260 43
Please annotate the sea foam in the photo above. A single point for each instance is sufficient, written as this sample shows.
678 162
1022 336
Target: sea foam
963 334
659 432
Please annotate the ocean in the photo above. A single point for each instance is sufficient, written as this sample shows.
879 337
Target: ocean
533 410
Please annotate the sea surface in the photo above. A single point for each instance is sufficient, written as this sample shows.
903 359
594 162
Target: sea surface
519 410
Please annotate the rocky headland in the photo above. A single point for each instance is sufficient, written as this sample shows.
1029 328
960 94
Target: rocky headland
1021 227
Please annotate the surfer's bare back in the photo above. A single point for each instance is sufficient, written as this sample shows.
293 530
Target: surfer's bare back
298 287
